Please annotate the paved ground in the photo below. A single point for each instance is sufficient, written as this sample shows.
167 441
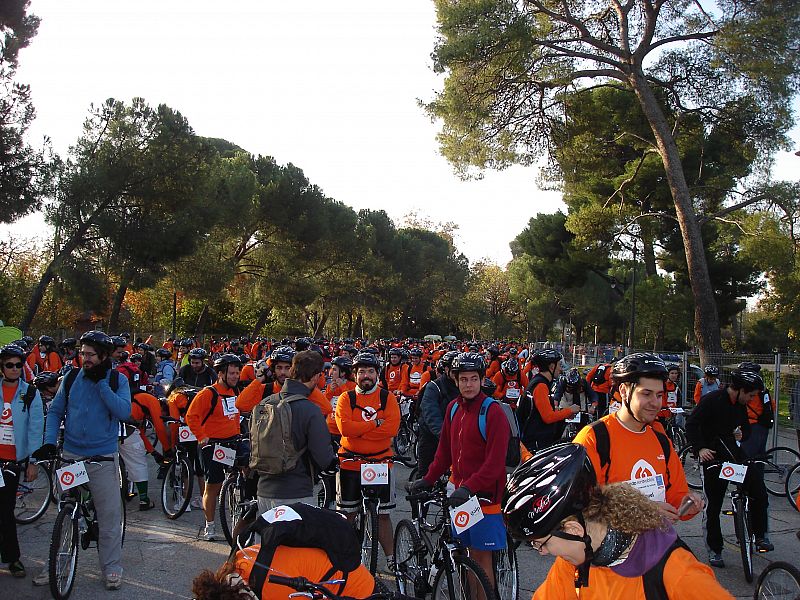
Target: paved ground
161 557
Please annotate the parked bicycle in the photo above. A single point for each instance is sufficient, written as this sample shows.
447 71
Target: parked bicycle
178 482
33 497
405 442
778 581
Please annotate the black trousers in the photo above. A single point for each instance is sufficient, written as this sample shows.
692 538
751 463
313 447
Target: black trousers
9 544
715 491
426 450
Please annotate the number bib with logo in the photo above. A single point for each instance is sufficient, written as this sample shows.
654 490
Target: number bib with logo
374 474
512 393
651 487
467 515
229 406
224 455
185 434
7 435
733 472
72 475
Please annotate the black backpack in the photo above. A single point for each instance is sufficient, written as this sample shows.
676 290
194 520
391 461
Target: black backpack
603 441
653 579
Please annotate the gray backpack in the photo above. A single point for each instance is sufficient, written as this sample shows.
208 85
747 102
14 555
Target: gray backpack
272 450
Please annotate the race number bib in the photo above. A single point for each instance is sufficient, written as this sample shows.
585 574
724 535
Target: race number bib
512 393
675 411
651 487
465 516
672 398
281 513
415 378
733 472
72 475
185 434
614 407
224 455
229 406
7 435
576 418
374 474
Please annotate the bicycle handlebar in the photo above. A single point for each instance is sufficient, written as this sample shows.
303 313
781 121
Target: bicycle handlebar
89 459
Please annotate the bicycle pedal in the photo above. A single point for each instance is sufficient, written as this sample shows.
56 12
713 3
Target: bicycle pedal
727 513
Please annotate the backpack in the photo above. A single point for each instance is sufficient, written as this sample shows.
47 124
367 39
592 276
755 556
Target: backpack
653 578
384 394
603 441
513 455
599 377
767 417
28 396
134 375
272 448
316 528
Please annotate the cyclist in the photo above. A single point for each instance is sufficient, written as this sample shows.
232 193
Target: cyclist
341 381
308 431
91 416
47 384
672 394
165 371
196 372
367 427
599 379
510 382
21 427
610 542
179 398
308 545
713 428
119 354
624 446
709 383
435 398
213 415
418 373
45 357
573 389
541 425
395 376
760 414
69 351
477 458
146 406
494 361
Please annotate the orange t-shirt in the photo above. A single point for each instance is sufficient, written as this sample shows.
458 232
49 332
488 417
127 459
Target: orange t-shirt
359 426
311 563
394 375
333 396
248 373
8 451
684 577
223 422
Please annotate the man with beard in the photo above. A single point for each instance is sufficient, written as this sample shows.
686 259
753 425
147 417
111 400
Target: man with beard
368 418
91 410
197 373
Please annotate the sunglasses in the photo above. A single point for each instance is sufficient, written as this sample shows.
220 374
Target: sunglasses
13 365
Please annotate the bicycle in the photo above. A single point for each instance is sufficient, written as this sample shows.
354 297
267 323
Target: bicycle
779 461
442 567
692 468
178 482
234 496
675 432
778 581
792 487
405 442
318 591
33 497
76 519
366 520
574 424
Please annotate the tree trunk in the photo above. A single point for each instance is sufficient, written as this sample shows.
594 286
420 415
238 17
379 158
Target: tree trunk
321 326
706 317
201 322
648 253
350 324
119 298
263 319
358 327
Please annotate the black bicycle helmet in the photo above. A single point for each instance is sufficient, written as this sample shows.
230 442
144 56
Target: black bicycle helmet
344 364
546 489
164 353
396 352
282 354
711 370
546 357
415 352
136 356
488 387
467 362
673 367
186 342
98 340
746 380
46 340
493 350
68 343
145 347
637 365
511 366
225 360
45 379
117 341
573 377
367 359
12 350
749 366
302 343
198 353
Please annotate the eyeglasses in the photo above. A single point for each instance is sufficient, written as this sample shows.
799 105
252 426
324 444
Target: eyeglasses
13 365
539 546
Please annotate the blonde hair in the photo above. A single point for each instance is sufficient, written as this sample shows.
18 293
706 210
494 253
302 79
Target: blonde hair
622 507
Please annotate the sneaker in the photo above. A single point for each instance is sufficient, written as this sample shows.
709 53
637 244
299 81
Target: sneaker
764 545
113 581
715 560
146 505
196 502
17 569
210 533
42 578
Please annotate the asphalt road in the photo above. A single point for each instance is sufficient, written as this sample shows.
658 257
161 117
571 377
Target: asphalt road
161 557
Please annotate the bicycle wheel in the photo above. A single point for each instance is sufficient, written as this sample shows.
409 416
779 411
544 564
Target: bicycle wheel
780 461
367 528
679 439
33 497
409 556
176 488
779 581
468 582
506 571
326 495
692 468
401 441
745 536
231 503
792 487
63 554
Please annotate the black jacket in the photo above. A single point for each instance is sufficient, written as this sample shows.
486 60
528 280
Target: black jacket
204 378
712 423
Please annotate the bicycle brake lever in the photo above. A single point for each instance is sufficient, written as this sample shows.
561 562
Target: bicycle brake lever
296 594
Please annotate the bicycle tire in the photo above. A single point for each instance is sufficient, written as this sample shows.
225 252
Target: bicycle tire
780 462
367 519
792 486
63 554
679 439
230 505
179 477
33 497
401 441
691 468
745 537
778 580
55 489
466 574
410 560
506 571
326 496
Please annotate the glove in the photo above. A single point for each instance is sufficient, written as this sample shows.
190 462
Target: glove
159 458
458 497
420 485
329 472
46 452
169 456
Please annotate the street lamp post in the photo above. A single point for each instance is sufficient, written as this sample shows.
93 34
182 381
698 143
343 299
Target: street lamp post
633 301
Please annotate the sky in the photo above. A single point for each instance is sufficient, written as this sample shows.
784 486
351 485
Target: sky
331 87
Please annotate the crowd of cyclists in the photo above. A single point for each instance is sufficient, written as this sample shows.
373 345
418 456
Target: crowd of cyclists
582 465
